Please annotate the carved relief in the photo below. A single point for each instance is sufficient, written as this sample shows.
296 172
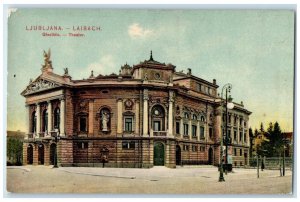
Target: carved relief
40 85
83 105
128 104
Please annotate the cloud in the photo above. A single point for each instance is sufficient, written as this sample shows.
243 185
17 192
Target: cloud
105 66
136 31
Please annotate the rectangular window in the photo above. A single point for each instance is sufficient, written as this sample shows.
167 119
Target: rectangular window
202 148
245 137
157 126
210 133
241 121
177 128
234 135
199 87
82 121
241 151
186 129
128 124
235 153
209 91
128 145
241 136
186 148
194 131
194 148
202 132
82 145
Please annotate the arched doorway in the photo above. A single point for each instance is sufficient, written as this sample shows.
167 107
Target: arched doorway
178 155
29 154
159 154
41 154
210 156
52 153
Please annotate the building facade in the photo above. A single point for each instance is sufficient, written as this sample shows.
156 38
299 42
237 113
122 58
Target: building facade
147 115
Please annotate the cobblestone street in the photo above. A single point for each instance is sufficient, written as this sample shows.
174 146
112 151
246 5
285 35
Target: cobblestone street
157 180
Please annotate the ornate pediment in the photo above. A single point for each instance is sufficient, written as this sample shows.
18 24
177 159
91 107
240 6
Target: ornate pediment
39 85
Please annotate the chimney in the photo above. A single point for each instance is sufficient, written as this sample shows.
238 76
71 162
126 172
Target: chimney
214 81
189 71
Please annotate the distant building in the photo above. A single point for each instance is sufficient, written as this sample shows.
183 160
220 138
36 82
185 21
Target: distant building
16 134
288 137
145 116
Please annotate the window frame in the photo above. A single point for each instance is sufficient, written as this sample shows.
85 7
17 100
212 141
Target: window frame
128 145
194 131
126 123
202 136
185 129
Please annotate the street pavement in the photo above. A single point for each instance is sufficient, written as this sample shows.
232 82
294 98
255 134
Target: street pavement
156 180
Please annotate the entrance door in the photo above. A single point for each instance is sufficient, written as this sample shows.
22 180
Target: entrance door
210 156
52 153
41 154
159 154
246 159
29 154
178 155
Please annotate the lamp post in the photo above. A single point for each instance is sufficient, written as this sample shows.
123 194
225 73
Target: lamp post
228 105
56 139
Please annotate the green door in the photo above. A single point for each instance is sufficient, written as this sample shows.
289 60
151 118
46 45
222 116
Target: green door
159 154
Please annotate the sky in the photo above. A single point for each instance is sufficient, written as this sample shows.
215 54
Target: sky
251 49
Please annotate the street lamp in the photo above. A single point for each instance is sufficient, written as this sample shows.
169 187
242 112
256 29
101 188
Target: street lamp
56 139
228 105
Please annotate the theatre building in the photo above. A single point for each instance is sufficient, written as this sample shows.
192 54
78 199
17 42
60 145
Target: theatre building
146 115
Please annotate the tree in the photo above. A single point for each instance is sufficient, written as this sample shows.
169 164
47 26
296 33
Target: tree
15 150
274 143
252 137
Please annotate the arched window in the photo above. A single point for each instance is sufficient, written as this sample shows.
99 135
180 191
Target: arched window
186 115
33 122
158 118
194 117
56 118
105 122
202 118
45 120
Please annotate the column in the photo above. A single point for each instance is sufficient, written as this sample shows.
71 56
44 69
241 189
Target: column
170 117
198 130
38 119
218 133
27 124
91 117
167 154
137 117
190 129
238 130
145 113
49 117
62 117
119 124
181 127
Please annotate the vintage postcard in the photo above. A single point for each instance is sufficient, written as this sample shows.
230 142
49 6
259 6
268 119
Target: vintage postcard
150 101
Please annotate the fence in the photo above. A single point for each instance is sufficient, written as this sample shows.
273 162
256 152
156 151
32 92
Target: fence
271 163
